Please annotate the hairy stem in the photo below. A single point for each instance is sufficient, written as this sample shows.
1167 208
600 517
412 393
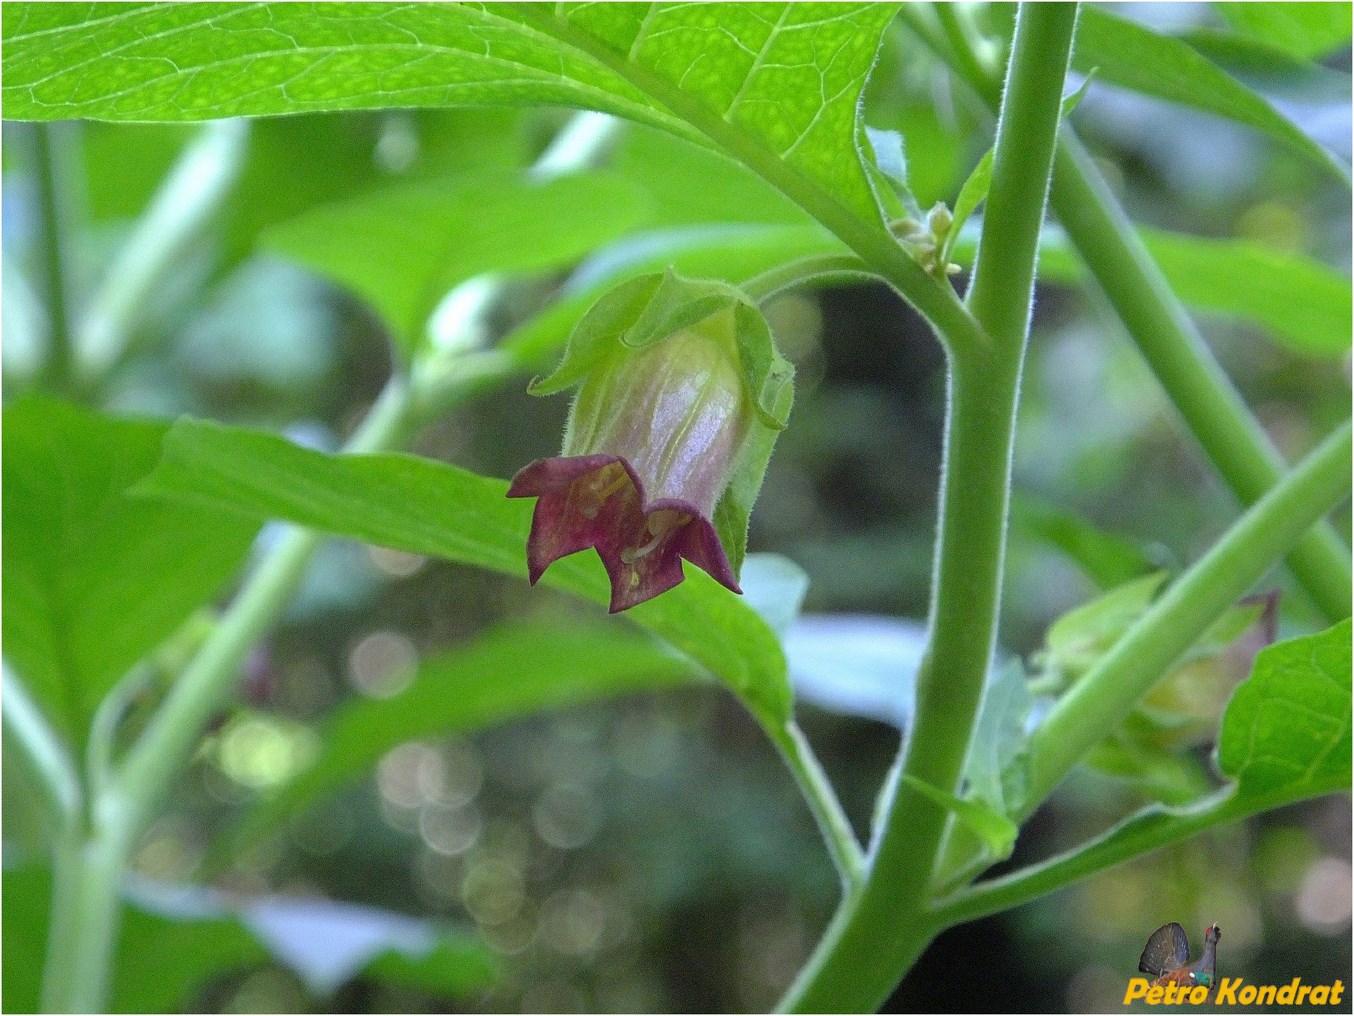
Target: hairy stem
823 802
879 931
1165 335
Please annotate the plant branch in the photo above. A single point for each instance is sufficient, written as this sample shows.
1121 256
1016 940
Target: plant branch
1211 407
1141 833
190 195
1166 337
45 753
818 268
1087 713
878 932
822 800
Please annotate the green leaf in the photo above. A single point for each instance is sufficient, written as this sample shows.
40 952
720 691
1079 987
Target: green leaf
994 773
403 248
429 508
94 579
997 832
1287 727
1305 304
781 79
1135 57
1107 559
1078 639
1302 29
971 195
1285 737
513 671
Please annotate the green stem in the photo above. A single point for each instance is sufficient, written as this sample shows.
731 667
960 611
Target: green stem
153 764
831 268
1232 438
879 931
1137 835
1167 338
53 211
87 879
190 195
44 753
823 802
1087 713
88 872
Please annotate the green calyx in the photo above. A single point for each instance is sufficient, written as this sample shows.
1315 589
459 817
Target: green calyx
652 308
715 329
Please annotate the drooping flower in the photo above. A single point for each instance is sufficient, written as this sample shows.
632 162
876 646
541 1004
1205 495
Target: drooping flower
664 420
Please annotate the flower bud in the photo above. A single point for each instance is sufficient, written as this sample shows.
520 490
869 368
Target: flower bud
661 423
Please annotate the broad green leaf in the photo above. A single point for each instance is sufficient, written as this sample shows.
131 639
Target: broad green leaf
690 185
1132 56
430 508
1302 302
403 248
1302 29
1287 727
781 82
94 579
511 672
1078 639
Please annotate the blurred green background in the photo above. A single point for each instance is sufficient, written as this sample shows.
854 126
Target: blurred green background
651 853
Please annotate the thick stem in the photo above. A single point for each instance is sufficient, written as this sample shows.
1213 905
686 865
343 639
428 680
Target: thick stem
879 931
86 911
1089 711
1167 338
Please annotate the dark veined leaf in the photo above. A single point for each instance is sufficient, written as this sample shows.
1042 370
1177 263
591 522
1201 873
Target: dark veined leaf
781 80
1133 56
427 507
95 579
